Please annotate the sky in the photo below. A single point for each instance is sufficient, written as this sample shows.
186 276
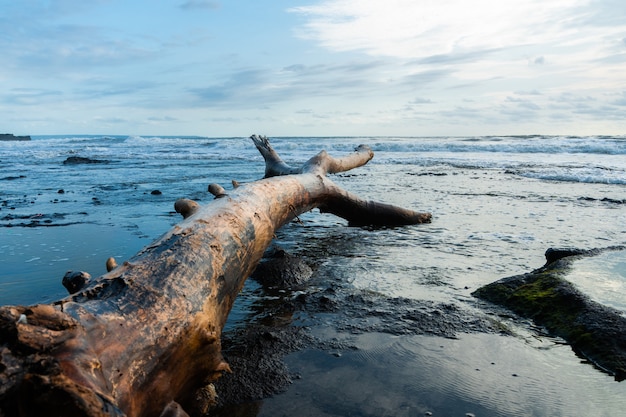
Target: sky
313 67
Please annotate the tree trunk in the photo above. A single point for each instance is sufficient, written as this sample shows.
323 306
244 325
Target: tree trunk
148 332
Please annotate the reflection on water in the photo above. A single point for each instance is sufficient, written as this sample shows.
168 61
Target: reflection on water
602 277
479 374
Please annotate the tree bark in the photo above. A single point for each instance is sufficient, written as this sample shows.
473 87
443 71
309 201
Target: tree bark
147 333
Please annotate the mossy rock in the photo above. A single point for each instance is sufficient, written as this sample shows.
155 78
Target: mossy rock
595 331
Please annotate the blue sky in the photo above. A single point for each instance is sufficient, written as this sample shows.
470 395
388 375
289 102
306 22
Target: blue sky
313 67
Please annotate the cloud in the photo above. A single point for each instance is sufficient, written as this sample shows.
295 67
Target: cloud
540 60
102 89
243 84
620 101
528 93
523 103
29 96
579 106
410 29
420 100
166 119
256 86
51 42
457 57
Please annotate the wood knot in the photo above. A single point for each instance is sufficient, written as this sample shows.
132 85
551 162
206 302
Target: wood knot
111 264
186 207
217 190
74 281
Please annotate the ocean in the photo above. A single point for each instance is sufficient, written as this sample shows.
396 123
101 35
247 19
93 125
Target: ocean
498 203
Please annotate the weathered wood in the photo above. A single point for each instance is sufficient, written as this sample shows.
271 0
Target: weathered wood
148 332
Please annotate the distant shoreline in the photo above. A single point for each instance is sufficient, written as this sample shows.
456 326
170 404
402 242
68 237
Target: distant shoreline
10 136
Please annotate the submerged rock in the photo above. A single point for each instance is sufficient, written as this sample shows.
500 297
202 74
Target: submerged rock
256 351
12 177
596 332
77 160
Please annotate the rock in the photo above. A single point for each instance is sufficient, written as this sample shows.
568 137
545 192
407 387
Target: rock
74 281
156 192
553 255
77 160
282 271
255 354
595 332
9 136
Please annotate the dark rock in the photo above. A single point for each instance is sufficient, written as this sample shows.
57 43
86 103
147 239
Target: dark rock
156 192
553 255
74 281
595 332
77 160
604 200
255 356
282 270
10 137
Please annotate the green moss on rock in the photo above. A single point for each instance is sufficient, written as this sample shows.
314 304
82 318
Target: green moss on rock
594 331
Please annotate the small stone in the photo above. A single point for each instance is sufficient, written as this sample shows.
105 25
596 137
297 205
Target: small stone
73 281
156 192
61 191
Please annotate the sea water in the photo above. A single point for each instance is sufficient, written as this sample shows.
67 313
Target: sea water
497 202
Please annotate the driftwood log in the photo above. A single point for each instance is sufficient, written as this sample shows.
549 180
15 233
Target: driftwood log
139 340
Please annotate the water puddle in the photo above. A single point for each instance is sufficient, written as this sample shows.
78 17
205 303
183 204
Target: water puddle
602 277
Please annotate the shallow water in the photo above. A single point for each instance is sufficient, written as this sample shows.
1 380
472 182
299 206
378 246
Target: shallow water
498 203
478 374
